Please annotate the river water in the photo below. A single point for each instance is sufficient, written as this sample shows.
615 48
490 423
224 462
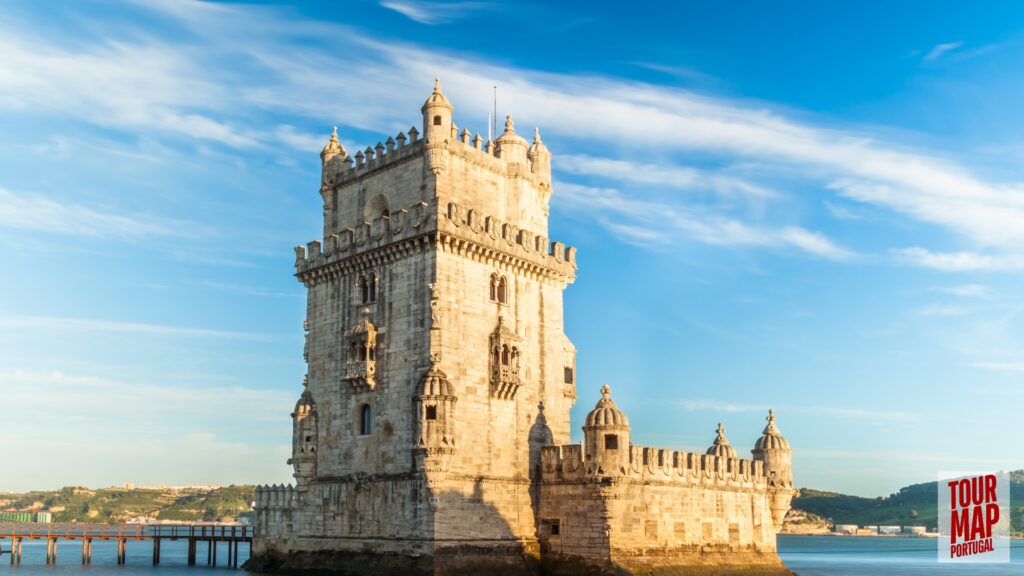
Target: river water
805 555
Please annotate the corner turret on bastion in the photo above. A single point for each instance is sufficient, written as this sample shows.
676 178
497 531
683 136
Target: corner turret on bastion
432 435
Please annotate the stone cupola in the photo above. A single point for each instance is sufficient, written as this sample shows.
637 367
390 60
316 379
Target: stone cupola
773 449
511 146
540 159
304 439
606 437
721 446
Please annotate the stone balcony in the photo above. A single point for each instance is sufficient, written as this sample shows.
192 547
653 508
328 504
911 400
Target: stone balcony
504 382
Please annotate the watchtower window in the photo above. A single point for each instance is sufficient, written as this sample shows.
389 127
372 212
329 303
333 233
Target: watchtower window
365 420
309 438
372 287
502 290
568 375
364 290
611 442
437 120
505 356
431 412
494 287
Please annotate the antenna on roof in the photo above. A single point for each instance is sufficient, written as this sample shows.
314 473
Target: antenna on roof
494 117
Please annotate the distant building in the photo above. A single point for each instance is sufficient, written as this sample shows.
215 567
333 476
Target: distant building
16 516
915 530
867 530
44 517
889 529
845 528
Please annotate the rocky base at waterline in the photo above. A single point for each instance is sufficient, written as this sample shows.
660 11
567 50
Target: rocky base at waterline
475 562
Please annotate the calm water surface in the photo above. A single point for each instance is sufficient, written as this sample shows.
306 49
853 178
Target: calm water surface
881 556
805 555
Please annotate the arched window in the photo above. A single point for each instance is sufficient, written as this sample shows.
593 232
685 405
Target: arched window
495 356
372 284
364 290
437 120
365 420
494 287
504 356
502 290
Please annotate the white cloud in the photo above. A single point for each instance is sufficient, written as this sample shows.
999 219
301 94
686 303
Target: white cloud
1000 366
431 13
36 212
939 49
968 291
942 310
91 325
719 406
959 261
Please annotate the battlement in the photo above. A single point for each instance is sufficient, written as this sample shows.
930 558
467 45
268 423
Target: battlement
567 463
493 236
342 168
275 497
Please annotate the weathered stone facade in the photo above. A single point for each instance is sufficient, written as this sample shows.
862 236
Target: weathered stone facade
433 432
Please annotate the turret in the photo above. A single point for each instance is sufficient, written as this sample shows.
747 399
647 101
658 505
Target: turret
540 159
437 116
721 446
511 146
606 437
304 439
772 449
333 158
435 423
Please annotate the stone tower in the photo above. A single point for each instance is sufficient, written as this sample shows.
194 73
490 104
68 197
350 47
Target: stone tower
437 361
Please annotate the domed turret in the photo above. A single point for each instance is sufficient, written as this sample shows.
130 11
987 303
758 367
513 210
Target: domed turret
606 436
772 449
435 405
721 447
332 148
540 159
437 116
304 439
334 159
511 146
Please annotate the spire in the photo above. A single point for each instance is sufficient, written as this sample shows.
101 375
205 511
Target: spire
771 438
606 392
536 136
771 428
436 98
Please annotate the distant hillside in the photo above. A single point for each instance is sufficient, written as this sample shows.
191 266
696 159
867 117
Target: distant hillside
111 505
912 505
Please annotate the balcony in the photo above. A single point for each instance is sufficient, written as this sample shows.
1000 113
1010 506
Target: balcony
504 382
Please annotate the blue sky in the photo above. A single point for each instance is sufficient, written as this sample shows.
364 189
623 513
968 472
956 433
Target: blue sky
811 206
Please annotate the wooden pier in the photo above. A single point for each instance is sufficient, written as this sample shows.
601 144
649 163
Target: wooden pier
211 534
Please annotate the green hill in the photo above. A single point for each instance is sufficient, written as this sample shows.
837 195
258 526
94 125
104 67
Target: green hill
911 505
111 505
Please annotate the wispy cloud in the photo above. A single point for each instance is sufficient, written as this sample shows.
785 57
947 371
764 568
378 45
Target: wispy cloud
1000 366
943 310
940 49
644 220
431 13
92 325
719 406
968 291
36 212
959 261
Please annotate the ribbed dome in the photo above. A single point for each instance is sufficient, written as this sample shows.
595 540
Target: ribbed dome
437 99
305 403
771 438
333 147
510 136
606 414
435 383
538 146
721 447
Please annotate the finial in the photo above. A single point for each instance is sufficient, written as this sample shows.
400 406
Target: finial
771 415
435 359
334 134
510 126
606 392
721 430
437 85
365 312
536 136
